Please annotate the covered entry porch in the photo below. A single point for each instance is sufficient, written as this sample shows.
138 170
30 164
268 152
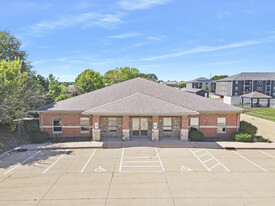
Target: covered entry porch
141 115
112 128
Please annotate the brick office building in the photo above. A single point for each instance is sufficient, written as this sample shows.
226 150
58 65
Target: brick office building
136 108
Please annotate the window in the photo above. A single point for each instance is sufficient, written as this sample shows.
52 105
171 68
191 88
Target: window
221 123
194 122
167 124
57 125
236 83
259 82
112 124
84 125
259 89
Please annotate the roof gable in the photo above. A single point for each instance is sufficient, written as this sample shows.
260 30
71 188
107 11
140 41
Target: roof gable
138 85
139 104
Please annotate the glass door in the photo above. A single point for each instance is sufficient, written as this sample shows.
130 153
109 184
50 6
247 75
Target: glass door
139 126
143 127
135 126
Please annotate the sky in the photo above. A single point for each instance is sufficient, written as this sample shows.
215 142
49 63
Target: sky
175 39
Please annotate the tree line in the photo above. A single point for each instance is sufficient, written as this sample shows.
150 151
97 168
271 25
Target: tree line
22 89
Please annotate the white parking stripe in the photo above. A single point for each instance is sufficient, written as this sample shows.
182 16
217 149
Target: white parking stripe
212 157
251 162
138 161
122 153
219 162
88 161
194 153
159 160
141 166
54 163
21 163
266 154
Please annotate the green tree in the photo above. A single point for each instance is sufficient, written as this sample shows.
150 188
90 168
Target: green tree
18 93
43 82
152 76
182 85
89 80
57 91
111 77
10 50
125 73
217 77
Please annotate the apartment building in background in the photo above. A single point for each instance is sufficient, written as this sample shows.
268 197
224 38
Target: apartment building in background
246 82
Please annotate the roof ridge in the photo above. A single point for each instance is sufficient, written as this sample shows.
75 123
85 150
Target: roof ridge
169 102
117 100
127 97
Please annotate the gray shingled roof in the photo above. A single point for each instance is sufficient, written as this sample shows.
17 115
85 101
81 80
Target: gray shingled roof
256 95
125 89
250 76
201 79
139 104
193 90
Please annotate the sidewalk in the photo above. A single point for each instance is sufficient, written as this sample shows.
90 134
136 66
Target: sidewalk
141 143
265 127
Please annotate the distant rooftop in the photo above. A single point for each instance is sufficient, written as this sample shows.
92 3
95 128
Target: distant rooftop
201 79
250 76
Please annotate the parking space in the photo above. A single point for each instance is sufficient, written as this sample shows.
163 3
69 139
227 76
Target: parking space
137 175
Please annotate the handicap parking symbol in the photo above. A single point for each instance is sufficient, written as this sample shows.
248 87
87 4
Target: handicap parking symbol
185 169
100 169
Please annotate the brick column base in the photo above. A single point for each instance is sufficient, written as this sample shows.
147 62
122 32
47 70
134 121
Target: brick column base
96 134
125 134
184 133
155 135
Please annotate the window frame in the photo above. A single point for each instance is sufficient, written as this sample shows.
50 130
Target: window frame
170 126
87 130
58 126
221 127
192 126
108 125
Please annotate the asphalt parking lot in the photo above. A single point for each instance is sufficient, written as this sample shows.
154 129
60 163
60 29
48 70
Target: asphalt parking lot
138 176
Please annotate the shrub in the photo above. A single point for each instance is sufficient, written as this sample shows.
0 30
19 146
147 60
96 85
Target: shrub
243 137
246 127
39 137
233 134
56 138
31 126
195 135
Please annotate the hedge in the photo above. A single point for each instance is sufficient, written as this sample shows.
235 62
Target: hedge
243 137
195 135
246 127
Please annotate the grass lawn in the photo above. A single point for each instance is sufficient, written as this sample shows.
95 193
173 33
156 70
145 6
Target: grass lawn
261 112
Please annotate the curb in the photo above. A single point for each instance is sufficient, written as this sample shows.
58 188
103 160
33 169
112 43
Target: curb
115 147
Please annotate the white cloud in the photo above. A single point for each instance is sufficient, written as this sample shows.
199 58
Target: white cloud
84 19
141 4
125 35
202 49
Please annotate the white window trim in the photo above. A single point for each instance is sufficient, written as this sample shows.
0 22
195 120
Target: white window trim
223 126
86 131
197 127
168 126
57 132
111 131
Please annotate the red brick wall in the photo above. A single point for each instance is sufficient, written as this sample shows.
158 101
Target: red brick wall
125 122
184 122
155 119
211 120
67 120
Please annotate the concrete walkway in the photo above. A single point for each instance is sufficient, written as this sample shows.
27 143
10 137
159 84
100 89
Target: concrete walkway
265 127
169 143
